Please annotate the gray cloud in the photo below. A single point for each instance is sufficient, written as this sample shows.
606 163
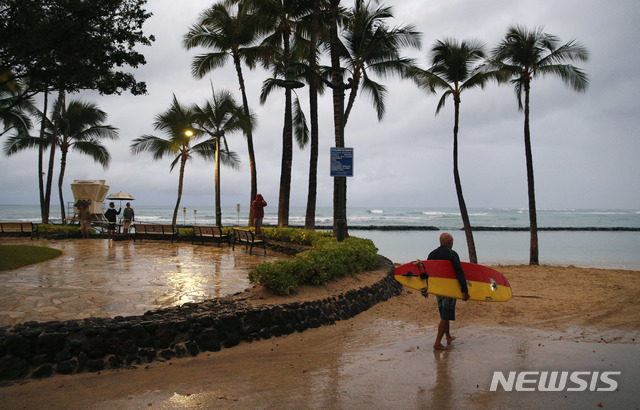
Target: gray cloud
585 145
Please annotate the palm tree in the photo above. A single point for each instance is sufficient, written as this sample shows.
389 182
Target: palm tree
337 88
280 21
232 35
370 46
524 55
81 129
314 32
217 117
455 69
174 123
290 122
15 110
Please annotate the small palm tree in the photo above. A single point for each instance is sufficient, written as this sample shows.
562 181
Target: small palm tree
81 129
455 68
523 55
174 123
218 117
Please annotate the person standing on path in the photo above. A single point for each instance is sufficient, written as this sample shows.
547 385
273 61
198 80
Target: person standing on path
447 306
111 216
258 213
128 216
84 214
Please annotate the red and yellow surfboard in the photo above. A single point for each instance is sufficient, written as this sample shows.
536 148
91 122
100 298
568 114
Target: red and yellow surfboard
438 278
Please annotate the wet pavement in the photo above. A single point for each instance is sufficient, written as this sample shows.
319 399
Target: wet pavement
102 278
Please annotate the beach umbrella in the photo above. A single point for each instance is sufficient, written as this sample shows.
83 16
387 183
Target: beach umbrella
120 196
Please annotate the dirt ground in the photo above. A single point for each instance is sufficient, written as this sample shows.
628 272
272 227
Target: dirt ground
560 318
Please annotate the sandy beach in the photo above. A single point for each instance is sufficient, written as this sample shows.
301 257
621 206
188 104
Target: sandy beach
560 319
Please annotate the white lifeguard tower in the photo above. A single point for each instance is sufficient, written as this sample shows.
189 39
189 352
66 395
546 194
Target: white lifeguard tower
94 190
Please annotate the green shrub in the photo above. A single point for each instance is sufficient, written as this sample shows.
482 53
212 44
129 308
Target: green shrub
64 229
293 235
185 231
328 260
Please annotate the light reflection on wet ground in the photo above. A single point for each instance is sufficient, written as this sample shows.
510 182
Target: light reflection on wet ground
101 278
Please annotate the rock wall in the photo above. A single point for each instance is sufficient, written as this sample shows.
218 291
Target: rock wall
38 350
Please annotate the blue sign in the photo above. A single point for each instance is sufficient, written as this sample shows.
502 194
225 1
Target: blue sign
341 162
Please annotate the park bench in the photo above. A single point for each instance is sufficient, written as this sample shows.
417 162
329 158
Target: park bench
213 232
22 228
155 230
246 237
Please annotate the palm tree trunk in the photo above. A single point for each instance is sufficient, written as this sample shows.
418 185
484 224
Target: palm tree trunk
352 96
63 166
183 162
252 157
533 219
57 112
310 216
473 258
285 167
217 183
40 156
339 183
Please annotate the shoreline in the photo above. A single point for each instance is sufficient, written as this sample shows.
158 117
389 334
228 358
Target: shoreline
474 228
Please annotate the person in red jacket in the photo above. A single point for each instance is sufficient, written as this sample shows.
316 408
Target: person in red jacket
258 213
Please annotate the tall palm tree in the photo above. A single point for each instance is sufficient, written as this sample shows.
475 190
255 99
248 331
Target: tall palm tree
81 129
218 117
229 34
291 121
314 34
174 123
337 88
526 54
455 68
370 46
281 24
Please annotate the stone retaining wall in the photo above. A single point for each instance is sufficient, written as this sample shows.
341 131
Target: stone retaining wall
39 350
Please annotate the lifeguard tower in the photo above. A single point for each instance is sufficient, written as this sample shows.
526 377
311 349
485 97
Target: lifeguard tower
94 190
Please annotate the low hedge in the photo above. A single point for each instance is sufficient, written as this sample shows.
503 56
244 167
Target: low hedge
61 229
328 260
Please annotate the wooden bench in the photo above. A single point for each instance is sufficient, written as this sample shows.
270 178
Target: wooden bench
22 228
213 232
151 230
249 240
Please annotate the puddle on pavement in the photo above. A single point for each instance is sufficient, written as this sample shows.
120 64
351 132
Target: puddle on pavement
100 278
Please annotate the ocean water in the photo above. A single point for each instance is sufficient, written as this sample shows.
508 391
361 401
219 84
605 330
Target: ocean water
613 249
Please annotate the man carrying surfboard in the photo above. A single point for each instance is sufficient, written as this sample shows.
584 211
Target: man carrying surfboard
447 306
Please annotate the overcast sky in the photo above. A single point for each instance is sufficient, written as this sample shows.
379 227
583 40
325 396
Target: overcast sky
585 145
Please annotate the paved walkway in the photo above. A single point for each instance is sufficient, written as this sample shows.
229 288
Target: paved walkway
101 278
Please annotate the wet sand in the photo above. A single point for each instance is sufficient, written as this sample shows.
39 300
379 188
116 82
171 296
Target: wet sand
561 319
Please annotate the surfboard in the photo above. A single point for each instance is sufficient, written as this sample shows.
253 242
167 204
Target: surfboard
438 278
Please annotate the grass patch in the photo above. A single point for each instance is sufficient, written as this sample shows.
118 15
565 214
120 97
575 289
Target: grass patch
17 256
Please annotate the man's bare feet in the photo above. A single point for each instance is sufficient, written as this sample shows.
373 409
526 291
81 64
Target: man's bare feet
439 346
450 339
